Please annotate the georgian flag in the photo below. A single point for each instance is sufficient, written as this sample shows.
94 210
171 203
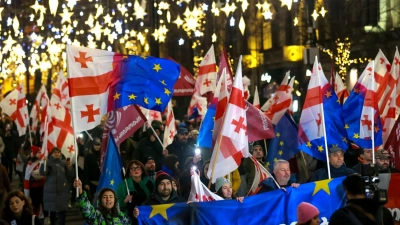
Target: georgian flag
61 90
207 75
232 141
199 192
383 81
14 105
256 100
170 126
340 89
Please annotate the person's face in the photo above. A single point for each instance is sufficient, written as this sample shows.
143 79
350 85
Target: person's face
97 147
158 132
206 170
135 171
16 205
150 165
315 220
165 188
194 136
367 156
227 190
108 200
174 186
383 162
282 173
183 137
258 153
336 159
56 154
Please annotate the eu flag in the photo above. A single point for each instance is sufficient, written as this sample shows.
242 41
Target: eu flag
111 175
206 129
274 207
144 81
284 145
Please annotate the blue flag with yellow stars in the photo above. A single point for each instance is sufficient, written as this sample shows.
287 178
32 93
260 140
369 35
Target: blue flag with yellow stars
284 145
207 127
144 81
275 207
334 124
111 175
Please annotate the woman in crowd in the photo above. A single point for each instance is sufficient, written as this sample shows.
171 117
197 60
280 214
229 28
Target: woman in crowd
18 210
92 172
107 211
24 155
139 185
34 182
56 188
307 214
204 177
224 189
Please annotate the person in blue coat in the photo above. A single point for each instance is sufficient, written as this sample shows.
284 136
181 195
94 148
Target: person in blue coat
281 175
336 164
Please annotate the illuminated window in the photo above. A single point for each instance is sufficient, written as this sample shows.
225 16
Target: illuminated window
267 35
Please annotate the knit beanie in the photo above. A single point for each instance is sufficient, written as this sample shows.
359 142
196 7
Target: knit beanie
305 212
220 182
161 175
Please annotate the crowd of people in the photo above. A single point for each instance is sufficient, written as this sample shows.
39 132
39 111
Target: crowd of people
155 175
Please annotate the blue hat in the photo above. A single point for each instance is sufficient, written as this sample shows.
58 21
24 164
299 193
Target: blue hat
183 130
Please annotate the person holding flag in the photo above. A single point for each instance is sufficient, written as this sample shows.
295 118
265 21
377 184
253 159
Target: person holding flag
107 212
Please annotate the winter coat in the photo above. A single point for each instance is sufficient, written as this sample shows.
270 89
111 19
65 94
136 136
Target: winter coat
322 174
250 169
92 167
56 189
341 216
4 180
139 191
234 178
149 148
270 185
183 151
156 199
24 219
94 216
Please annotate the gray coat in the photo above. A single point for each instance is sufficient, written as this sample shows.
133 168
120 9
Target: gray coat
56 189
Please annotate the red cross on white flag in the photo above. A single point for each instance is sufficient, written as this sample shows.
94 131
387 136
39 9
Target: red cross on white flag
14 105
232 142
61 90
199 192
207 75
170 126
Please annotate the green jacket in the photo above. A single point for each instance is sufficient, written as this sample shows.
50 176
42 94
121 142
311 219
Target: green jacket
250 169
94 217
122 192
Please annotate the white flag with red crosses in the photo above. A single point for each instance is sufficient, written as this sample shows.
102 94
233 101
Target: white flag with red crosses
60 132
207 75
383 81
199 192
232 142
170 126
61 90
14 105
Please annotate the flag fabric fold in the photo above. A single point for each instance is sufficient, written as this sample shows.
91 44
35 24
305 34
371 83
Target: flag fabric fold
35 111
61 90
184 86
199 192
260 175
359 110
207 75
100 81
259 126
393 144
111 174
340 89
311 134
14 105
256 99
284 145
232 141
170 127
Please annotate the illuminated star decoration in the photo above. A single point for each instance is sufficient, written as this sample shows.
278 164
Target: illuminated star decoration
315 15
323 12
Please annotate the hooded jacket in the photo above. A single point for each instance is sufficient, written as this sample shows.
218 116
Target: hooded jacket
94 216
341 216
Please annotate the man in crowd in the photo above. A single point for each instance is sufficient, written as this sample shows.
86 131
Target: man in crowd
150 166
282 176
150 146
359 209
180 147
383 159
336 164
164 193
259 153
364 158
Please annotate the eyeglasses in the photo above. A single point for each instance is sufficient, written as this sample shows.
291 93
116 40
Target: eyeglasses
135 168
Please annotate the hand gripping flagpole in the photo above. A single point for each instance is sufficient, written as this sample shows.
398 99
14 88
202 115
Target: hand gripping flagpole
373 112
323 125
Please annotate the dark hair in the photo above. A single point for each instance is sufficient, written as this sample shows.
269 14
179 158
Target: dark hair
7 214
137 162
55 149
354 184
104 211
169 161
220 194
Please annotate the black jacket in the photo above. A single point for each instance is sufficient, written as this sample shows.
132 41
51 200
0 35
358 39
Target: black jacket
25 219
92 167
156 199
183 151
148 148
322 174
342 216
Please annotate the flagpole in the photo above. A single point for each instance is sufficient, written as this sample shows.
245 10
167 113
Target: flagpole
373 112
73 128
323 127
215 160
155 134
29 130
305 163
